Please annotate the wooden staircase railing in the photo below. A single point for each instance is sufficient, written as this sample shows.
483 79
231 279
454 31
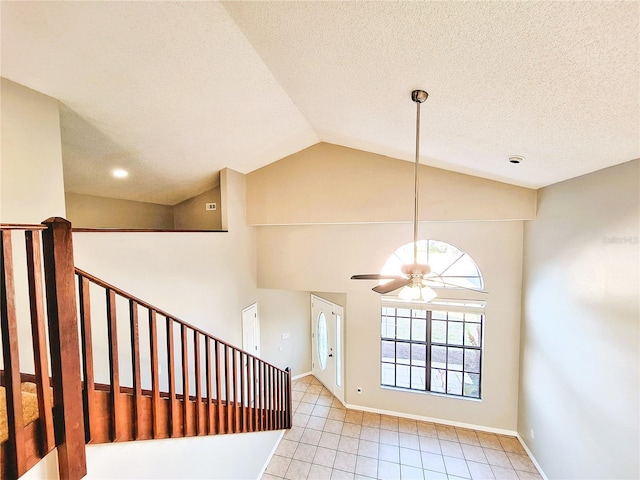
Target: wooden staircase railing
210 386
126 371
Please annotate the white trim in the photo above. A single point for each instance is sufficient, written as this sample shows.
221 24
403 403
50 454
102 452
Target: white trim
273 451
300 376
481 428
533 459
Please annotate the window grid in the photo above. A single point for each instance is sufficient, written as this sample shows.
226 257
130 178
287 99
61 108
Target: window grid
461 379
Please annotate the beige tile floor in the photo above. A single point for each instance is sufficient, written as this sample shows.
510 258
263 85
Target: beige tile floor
329 442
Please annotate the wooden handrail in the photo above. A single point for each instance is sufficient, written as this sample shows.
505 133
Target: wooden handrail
22 226
141 230
158 311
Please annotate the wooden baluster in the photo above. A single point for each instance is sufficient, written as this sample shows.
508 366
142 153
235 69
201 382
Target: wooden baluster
87 354
39 338
11 359
267 418
236 405
135 357
185 380
278 400
289 406
209 410
227 378
282 399
256 393
259 396
271 397
276 390
250 396
114 366
269 385
173 410
263 398
254 400
258 384
267 413
196 354
220 423
243 408
64 348
155 380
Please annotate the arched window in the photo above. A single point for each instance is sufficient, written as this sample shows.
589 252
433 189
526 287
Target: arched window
449 264
435 346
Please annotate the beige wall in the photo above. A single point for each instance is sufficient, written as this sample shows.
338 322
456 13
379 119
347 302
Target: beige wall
331 184
285 311
323 257
579 389
191 214
90 211
31 182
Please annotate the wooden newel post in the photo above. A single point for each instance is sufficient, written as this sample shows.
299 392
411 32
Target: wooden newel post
65 348
289 414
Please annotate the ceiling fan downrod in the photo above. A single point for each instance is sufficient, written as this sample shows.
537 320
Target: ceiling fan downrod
418 96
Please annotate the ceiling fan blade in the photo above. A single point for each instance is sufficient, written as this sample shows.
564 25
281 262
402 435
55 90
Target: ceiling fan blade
439 282
375 276
391 286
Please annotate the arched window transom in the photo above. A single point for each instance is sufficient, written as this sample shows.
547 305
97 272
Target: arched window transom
449 264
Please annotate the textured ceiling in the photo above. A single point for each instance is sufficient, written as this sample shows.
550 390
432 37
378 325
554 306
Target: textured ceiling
176 91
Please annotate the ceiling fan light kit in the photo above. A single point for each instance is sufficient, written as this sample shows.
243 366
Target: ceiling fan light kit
411 293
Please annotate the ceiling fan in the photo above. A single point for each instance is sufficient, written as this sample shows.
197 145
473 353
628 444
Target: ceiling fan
417 278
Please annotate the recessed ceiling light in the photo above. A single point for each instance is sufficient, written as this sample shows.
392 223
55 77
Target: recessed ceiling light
119 173
515 159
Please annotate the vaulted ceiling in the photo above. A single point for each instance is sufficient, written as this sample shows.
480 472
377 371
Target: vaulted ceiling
175 91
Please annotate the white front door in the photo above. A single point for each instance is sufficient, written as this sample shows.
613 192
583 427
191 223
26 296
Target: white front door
326 343
251 330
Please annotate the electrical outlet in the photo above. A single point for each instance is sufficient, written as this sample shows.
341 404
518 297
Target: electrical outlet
533 434
210 206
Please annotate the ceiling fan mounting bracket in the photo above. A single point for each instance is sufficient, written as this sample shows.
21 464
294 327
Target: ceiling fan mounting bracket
419 96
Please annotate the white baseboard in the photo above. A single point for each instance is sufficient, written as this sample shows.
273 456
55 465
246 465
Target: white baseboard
482 428
300 376
533 459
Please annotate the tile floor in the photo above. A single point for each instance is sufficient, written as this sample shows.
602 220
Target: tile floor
329 442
